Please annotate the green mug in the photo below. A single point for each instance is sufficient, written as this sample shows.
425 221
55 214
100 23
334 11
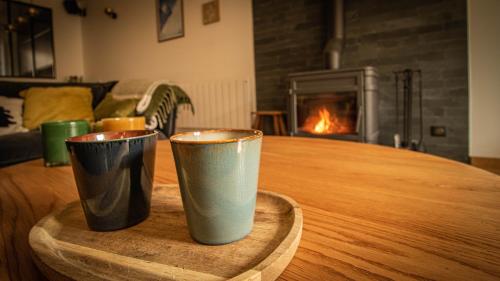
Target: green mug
54 133
218 174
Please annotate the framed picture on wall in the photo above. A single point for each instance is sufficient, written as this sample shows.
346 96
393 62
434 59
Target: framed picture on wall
170 19
210 11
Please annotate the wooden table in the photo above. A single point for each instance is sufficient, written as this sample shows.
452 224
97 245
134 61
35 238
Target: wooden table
370 212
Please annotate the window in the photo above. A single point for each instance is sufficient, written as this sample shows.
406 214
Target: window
26 41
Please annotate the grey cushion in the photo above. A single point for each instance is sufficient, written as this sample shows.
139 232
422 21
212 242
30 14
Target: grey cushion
20 147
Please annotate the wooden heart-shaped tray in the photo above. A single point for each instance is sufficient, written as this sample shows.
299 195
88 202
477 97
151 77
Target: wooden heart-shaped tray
160 247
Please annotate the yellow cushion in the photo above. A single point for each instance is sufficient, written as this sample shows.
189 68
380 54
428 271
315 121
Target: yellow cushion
56 103
110 107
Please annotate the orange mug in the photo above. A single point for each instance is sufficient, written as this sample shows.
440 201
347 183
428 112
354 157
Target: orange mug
123 123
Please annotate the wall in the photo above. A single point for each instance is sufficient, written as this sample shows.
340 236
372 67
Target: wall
67 41
390 35
289 37
128 46
428 35
484 82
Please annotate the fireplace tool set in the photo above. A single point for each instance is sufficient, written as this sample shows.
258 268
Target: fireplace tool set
407 79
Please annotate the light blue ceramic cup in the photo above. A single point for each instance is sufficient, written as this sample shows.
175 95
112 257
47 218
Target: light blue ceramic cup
218 172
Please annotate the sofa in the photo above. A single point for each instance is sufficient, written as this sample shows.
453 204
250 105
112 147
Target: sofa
21 147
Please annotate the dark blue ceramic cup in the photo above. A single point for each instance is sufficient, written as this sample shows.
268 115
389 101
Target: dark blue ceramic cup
114 174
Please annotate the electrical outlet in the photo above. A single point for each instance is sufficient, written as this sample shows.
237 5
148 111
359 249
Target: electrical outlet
438 131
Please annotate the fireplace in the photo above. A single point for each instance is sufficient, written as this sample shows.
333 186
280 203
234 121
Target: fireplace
338 104
334 103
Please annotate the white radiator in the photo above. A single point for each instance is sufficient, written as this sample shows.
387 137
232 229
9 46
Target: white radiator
218 104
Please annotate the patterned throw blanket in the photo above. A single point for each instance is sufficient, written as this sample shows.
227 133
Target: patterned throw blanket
157 98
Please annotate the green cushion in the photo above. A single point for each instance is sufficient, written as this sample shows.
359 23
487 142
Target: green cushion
110 107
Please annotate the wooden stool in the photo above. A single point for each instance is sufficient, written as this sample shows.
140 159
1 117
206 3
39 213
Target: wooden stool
278 123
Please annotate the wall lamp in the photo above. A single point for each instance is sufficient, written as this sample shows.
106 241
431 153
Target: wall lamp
111 13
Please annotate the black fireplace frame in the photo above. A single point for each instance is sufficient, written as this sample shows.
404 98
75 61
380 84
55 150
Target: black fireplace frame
363 81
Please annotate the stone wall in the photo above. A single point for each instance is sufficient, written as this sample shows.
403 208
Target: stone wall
289 37
430 35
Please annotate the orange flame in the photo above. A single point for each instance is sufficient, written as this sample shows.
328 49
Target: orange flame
324 123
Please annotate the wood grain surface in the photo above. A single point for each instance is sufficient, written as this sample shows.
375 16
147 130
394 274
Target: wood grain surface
370 212
488 164
160 248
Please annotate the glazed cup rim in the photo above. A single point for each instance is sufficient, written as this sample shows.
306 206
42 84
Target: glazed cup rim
144 134
123 118
252 134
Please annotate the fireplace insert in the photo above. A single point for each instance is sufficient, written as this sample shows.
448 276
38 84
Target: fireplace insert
339 104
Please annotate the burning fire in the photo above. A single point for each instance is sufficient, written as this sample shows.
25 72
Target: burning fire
323 123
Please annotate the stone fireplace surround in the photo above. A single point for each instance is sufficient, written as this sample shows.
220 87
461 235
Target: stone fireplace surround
289 37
